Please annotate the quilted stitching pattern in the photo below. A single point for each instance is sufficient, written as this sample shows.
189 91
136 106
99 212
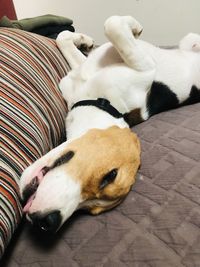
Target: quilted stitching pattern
157 225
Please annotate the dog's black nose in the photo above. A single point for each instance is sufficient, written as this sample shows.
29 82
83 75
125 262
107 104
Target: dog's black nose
47 223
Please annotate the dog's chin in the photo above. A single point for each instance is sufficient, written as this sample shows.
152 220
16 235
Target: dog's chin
41 218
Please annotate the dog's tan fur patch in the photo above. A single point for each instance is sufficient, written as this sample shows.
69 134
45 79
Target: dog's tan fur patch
97 153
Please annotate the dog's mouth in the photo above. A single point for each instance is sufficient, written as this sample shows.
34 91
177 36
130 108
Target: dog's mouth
30 190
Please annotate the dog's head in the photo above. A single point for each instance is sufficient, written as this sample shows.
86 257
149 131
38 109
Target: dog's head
94 172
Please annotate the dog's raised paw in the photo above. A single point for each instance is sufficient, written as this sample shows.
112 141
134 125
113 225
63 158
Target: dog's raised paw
84 42
117 22
136 27
190 42
81 41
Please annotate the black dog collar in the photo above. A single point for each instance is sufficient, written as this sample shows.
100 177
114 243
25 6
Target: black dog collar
100 103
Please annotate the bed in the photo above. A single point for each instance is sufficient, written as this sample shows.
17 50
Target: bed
157 225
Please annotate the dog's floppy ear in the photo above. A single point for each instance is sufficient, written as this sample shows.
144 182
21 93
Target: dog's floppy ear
133 143
101 207
129 168
126 173
136 141
130 142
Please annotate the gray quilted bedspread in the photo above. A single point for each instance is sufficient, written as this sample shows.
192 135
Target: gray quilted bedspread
158 225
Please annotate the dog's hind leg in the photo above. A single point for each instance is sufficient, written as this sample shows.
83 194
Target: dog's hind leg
122 33
69 44
190 42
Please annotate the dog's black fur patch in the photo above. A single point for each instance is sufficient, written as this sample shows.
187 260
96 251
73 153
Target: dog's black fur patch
193 98
161 98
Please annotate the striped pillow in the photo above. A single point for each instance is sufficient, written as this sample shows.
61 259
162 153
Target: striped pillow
32 113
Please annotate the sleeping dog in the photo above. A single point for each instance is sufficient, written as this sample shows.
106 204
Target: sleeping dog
120 84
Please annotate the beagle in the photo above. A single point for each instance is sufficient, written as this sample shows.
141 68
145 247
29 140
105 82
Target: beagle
93 172
120 84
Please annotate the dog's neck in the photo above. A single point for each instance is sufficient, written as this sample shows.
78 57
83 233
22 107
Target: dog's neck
101 103
83 118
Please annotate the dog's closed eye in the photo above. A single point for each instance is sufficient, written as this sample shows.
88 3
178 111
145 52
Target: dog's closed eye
108 178
63 159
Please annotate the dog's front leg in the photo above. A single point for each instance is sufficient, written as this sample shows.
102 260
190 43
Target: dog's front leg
122 33
69 42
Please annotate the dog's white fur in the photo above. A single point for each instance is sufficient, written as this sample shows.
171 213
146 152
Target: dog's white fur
121 71
60 187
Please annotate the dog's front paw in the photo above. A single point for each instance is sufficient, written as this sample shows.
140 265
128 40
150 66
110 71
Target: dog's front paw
118 22
81 41
136 27
84 42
